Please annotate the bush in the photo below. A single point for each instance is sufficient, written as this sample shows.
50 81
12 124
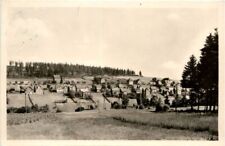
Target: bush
71 94
141 106
44 108
162 107
79 94
154 101
91 107
125 102
58 110
79 109
54 82
131 95
35 108
88 96
23 110
116 105
11 110
166 107
159 108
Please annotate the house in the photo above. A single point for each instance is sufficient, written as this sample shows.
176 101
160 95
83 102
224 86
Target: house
25 82
86 104
116 91
115 99
186 92
66 89
137 82
44 87
158 82
125 91
171 99
130 82
29 90
178 89
52 88
84 90
132 103
60 90
171 90
99 80
163 90
152 83
17 88
57 79
121 85
98 88
138 91
166 82
154 89
73 88
147 93
38 90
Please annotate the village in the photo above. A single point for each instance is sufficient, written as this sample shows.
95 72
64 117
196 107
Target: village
95 93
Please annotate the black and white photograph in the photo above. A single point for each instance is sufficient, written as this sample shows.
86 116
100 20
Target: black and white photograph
103 71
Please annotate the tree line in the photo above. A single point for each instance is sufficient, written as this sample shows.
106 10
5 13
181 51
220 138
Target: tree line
202 76
40 69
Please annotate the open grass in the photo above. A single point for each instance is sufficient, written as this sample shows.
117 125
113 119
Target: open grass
17 119
110 125
184 121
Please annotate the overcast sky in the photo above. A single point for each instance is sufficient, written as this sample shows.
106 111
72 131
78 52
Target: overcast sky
157 41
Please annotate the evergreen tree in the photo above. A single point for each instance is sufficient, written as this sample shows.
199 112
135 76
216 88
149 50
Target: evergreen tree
189 79
208 69
140 74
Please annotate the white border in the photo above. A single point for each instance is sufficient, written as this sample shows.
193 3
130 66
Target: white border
94 3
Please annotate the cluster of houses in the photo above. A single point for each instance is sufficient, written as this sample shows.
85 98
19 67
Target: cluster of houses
113 88
135 88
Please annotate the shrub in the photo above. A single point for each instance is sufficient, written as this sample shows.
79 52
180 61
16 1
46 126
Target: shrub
91 107
35 108
71 94
58 110
11 110
44 108
88 96
166 107
23 110
54 82
154 101
162 107
79 94
159 108
141 106
131 95
125 102
79 109
116 105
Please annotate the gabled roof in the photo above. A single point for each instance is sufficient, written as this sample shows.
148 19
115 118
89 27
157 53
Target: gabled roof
137 81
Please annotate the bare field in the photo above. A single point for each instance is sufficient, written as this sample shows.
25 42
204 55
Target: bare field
18 100
106 125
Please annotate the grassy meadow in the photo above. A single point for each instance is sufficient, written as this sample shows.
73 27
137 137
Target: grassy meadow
113 125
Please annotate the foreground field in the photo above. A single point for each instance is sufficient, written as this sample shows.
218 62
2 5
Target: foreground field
113 125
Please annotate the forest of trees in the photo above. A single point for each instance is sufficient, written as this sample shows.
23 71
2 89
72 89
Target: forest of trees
202 76
39 69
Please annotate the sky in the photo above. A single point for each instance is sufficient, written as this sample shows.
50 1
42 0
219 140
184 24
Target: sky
157 41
